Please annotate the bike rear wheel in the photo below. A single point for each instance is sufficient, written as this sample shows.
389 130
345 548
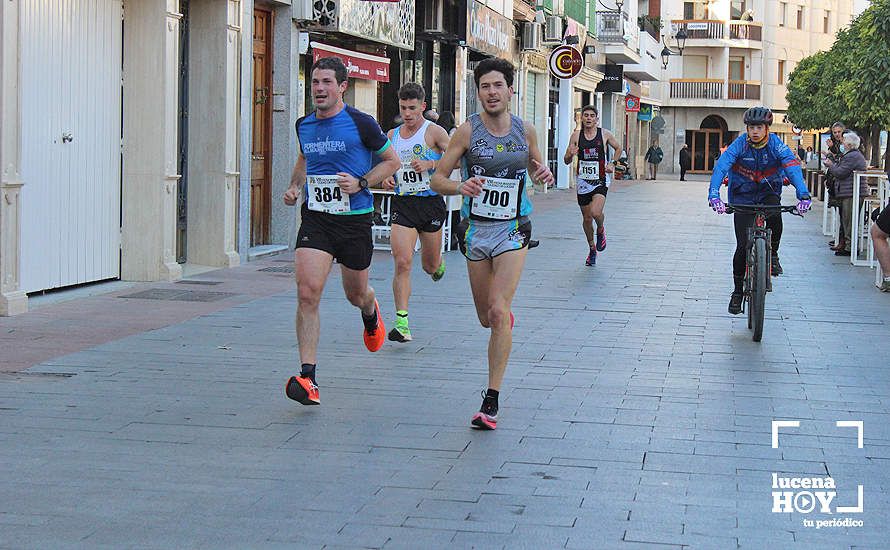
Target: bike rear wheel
760 282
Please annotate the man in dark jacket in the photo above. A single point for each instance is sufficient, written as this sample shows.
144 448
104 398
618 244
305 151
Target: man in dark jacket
850 161
654 156
685 161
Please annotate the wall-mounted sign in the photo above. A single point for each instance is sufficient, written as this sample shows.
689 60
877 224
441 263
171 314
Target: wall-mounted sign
360 65
613 81
489 32
632 104
645 112
387 22
565 62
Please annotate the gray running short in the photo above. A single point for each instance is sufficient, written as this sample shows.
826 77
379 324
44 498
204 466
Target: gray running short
484 240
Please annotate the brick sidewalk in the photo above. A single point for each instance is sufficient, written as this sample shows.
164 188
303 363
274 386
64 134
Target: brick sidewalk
635 412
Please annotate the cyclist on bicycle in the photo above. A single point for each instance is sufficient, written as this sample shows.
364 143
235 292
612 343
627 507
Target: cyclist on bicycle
755 164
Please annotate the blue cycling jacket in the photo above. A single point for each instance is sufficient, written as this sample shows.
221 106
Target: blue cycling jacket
748 167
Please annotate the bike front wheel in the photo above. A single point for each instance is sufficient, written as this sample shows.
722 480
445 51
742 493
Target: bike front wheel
760 283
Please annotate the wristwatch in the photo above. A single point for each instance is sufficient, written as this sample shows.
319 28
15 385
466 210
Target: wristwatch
363 183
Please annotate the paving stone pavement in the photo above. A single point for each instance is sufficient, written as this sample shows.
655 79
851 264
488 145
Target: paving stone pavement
635 413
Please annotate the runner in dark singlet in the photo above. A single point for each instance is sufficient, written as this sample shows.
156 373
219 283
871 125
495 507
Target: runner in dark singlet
594 176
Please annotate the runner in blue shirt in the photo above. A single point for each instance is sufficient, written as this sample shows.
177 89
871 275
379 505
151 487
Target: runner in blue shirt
333 170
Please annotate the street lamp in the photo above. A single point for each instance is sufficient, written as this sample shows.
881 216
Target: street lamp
618 5
667 52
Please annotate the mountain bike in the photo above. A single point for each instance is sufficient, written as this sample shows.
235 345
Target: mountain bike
758 262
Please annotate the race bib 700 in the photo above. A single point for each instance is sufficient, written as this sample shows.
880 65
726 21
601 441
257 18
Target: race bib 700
499 199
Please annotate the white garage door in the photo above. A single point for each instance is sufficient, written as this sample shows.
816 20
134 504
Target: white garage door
71 126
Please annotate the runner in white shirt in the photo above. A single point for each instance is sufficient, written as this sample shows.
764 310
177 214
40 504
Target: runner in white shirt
417 210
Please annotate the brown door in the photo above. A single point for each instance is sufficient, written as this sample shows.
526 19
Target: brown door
705 148
260 169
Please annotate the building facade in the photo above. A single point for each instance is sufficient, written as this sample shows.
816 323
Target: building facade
113 109
738 54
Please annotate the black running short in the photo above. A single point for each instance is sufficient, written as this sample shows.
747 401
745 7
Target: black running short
883 221
586 198
423 213
345 237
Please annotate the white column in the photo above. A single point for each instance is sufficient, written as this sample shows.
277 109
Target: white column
12 300
150 175
460 85
726 71
564 131
214 100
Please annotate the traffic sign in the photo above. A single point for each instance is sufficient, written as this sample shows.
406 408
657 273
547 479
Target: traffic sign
566 62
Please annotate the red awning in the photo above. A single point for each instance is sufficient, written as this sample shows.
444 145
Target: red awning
359 64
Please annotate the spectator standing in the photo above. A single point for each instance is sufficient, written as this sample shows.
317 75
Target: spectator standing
685 161
842 170
654 156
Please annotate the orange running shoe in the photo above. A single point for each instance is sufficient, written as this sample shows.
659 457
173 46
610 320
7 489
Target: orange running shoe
374 338
302 390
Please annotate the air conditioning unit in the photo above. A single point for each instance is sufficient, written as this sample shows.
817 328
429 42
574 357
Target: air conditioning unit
531 37
433 20
553 30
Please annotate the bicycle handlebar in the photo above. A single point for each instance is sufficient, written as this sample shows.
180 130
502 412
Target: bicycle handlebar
765 209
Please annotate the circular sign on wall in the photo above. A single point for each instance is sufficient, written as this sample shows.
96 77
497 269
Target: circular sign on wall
566 62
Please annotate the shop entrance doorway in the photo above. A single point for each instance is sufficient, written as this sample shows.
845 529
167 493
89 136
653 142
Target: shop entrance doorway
705 143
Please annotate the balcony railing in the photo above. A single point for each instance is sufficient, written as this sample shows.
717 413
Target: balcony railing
696 88
744 89
745 30
701 28
614 28
712 88
611 26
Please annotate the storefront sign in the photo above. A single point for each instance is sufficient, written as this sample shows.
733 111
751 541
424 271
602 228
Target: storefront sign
565 62
699 26
613 81
489 32
645 112
360 65
632 104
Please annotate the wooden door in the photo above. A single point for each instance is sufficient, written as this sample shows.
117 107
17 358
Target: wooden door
705 149
261 161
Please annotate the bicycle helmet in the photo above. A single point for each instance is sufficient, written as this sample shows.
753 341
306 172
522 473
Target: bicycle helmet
759 115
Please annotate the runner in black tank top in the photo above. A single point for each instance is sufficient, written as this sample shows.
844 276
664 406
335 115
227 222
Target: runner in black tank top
589 145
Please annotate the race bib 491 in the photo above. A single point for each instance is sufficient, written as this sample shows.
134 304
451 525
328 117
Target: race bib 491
411 181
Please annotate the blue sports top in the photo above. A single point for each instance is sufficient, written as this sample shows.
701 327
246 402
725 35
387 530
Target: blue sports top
346 142
756 172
